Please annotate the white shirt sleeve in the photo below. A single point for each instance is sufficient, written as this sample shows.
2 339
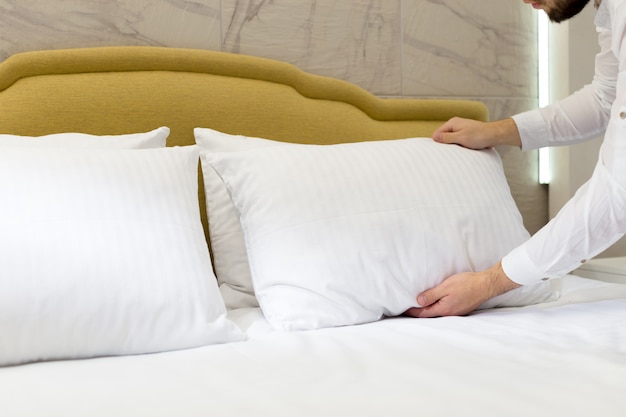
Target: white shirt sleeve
583 115
595 217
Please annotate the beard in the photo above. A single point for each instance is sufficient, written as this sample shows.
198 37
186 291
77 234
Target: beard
566 9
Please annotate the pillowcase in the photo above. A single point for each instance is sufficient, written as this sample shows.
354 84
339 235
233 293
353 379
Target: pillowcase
103 253
230 258
347 234
153 139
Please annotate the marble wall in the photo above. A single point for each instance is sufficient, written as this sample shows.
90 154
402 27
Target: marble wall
395 48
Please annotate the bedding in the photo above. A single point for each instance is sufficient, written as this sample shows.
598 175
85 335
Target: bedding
330 231
121 263
103 253
562 358
153 139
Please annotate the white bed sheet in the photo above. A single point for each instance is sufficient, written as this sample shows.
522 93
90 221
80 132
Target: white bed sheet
565 358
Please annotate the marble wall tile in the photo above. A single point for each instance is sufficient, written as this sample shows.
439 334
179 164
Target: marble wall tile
470 48
357 40
54 24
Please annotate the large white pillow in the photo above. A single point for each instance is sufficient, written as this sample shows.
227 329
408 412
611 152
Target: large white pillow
153 139
346 234
103 253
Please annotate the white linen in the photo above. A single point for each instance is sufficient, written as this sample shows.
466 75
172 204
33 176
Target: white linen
566 358
595 218
102 252
346 234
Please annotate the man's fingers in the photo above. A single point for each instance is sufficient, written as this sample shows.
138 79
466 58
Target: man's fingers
412 312
445 136
428 297
440 137
429 312
430 306
424 312
441 134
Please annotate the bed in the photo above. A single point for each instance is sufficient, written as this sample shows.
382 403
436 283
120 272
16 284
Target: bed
260 263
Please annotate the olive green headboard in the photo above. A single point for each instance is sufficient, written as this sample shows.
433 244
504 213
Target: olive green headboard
115 90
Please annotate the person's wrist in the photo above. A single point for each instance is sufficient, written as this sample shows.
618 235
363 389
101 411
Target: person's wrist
498 281
505 132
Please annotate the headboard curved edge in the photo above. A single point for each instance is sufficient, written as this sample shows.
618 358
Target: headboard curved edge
153 58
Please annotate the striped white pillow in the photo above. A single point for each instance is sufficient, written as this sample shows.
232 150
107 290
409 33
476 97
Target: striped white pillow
346 234
102 252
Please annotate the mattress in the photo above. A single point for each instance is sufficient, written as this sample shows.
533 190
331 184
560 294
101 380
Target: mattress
562 358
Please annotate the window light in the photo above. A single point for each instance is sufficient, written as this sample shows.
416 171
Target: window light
543 69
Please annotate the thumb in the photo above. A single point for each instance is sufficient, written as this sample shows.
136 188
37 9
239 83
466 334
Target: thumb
428 297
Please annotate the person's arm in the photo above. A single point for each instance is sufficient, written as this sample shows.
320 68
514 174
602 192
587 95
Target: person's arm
584 114
595 217
589 223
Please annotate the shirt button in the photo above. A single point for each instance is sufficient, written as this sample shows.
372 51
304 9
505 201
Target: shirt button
582 261
622 115
545 279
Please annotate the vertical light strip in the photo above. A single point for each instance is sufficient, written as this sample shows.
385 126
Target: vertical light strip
543 68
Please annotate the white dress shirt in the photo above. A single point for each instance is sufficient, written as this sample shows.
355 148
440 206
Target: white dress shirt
595 217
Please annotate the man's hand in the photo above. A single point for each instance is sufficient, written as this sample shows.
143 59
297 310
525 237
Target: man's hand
462 293
478 135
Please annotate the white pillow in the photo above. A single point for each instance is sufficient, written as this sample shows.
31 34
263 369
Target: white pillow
227 240
230 258
346 234
103 253
153 139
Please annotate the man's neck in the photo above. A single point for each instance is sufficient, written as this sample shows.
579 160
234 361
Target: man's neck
596 3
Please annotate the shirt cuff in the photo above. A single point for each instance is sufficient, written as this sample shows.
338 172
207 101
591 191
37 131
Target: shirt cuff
520 269
532 129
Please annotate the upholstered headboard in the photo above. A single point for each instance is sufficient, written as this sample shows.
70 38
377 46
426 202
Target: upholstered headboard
115 90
